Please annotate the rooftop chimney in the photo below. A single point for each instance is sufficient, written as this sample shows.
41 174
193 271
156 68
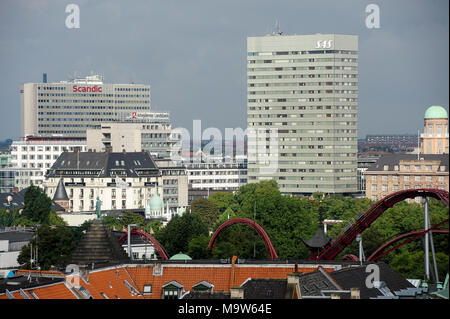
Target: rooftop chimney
237 292
44 78
354 293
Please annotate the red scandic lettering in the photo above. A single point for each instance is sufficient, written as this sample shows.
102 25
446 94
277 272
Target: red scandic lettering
94 88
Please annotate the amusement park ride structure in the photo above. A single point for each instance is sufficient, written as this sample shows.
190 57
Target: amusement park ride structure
332 249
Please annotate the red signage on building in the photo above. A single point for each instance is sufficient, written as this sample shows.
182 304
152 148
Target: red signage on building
94 88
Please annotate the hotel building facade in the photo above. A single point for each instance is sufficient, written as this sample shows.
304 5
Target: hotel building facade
69 108
302 95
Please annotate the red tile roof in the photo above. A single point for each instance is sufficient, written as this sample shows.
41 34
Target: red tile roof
111 282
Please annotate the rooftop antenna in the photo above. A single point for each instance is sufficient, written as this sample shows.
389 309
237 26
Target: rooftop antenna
277 28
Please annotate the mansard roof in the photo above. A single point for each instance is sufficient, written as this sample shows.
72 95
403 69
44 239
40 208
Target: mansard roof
104 164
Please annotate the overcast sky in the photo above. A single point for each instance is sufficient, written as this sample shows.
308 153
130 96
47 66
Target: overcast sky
193 53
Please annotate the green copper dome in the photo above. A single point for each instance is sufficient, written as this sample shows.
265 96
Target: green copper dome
155 203
436 112
180 256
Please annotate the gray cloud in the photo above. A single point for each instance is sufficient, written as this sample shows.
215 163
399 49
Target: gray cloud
193 53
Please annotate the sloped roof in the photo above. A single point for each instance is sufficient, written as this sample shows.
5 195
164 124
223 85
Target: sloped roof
355 277
106 164
319 240
60 193
207 295
311 284
127 281
265 288
98 245
391 160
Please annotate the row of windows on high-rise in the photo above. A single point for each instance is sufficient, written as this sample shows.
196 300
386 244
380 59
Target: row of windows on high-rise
96 95
320 99
91 101
302 107
303 84
309 60
301 115
63 88
99 107
301 76
311 68
302 52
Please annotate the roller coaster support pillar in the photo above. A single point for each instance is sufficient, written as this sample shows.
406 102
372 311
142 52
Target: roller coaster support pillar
436 278
427 243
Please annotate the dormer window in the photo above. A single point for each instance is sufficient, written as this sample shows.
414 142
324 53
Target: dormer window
203 286
172 290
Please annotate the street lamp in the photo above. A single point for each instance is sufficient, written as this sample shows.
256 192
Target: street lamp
129 239
361 251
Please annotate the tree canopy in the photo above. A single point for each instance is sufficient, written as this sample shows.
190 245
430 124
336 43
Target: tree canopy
37 205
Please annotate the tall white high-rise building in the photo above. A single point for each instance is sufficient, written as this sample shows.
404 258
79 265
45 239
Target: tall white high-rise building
69 108
302 93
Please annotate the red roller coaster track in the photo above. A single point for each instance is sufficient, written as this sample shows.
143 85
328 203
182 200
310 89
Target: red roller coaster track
251 223
410 237
364 221
155 243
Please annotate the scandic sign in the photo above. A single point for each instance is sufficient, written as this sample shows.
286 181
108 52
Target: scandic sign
94 88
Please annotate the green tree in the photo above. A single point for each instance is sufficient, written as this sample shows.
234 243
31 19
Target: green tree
226 215
37 205
131 218
206 209
113 222
155 226
55 219
177 234
223 200
54 247
197 247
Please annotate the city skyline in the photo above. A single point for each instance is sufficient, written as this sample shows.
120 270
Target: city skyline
194 56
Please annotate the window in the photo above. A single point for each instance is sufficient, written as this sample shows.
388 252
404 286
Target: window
438 130
406 178
417 178
203 286
374 187
147 289
384 188
172 290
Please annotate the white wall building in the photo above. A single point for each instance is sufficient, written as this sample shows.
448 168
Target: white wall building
69 108
147 131
122 181
302 97
33 156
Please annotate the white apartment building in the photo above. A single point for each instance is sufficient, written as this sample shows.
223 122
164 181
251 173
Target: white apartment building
69 108
302 98
122 181
33 156
210 174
